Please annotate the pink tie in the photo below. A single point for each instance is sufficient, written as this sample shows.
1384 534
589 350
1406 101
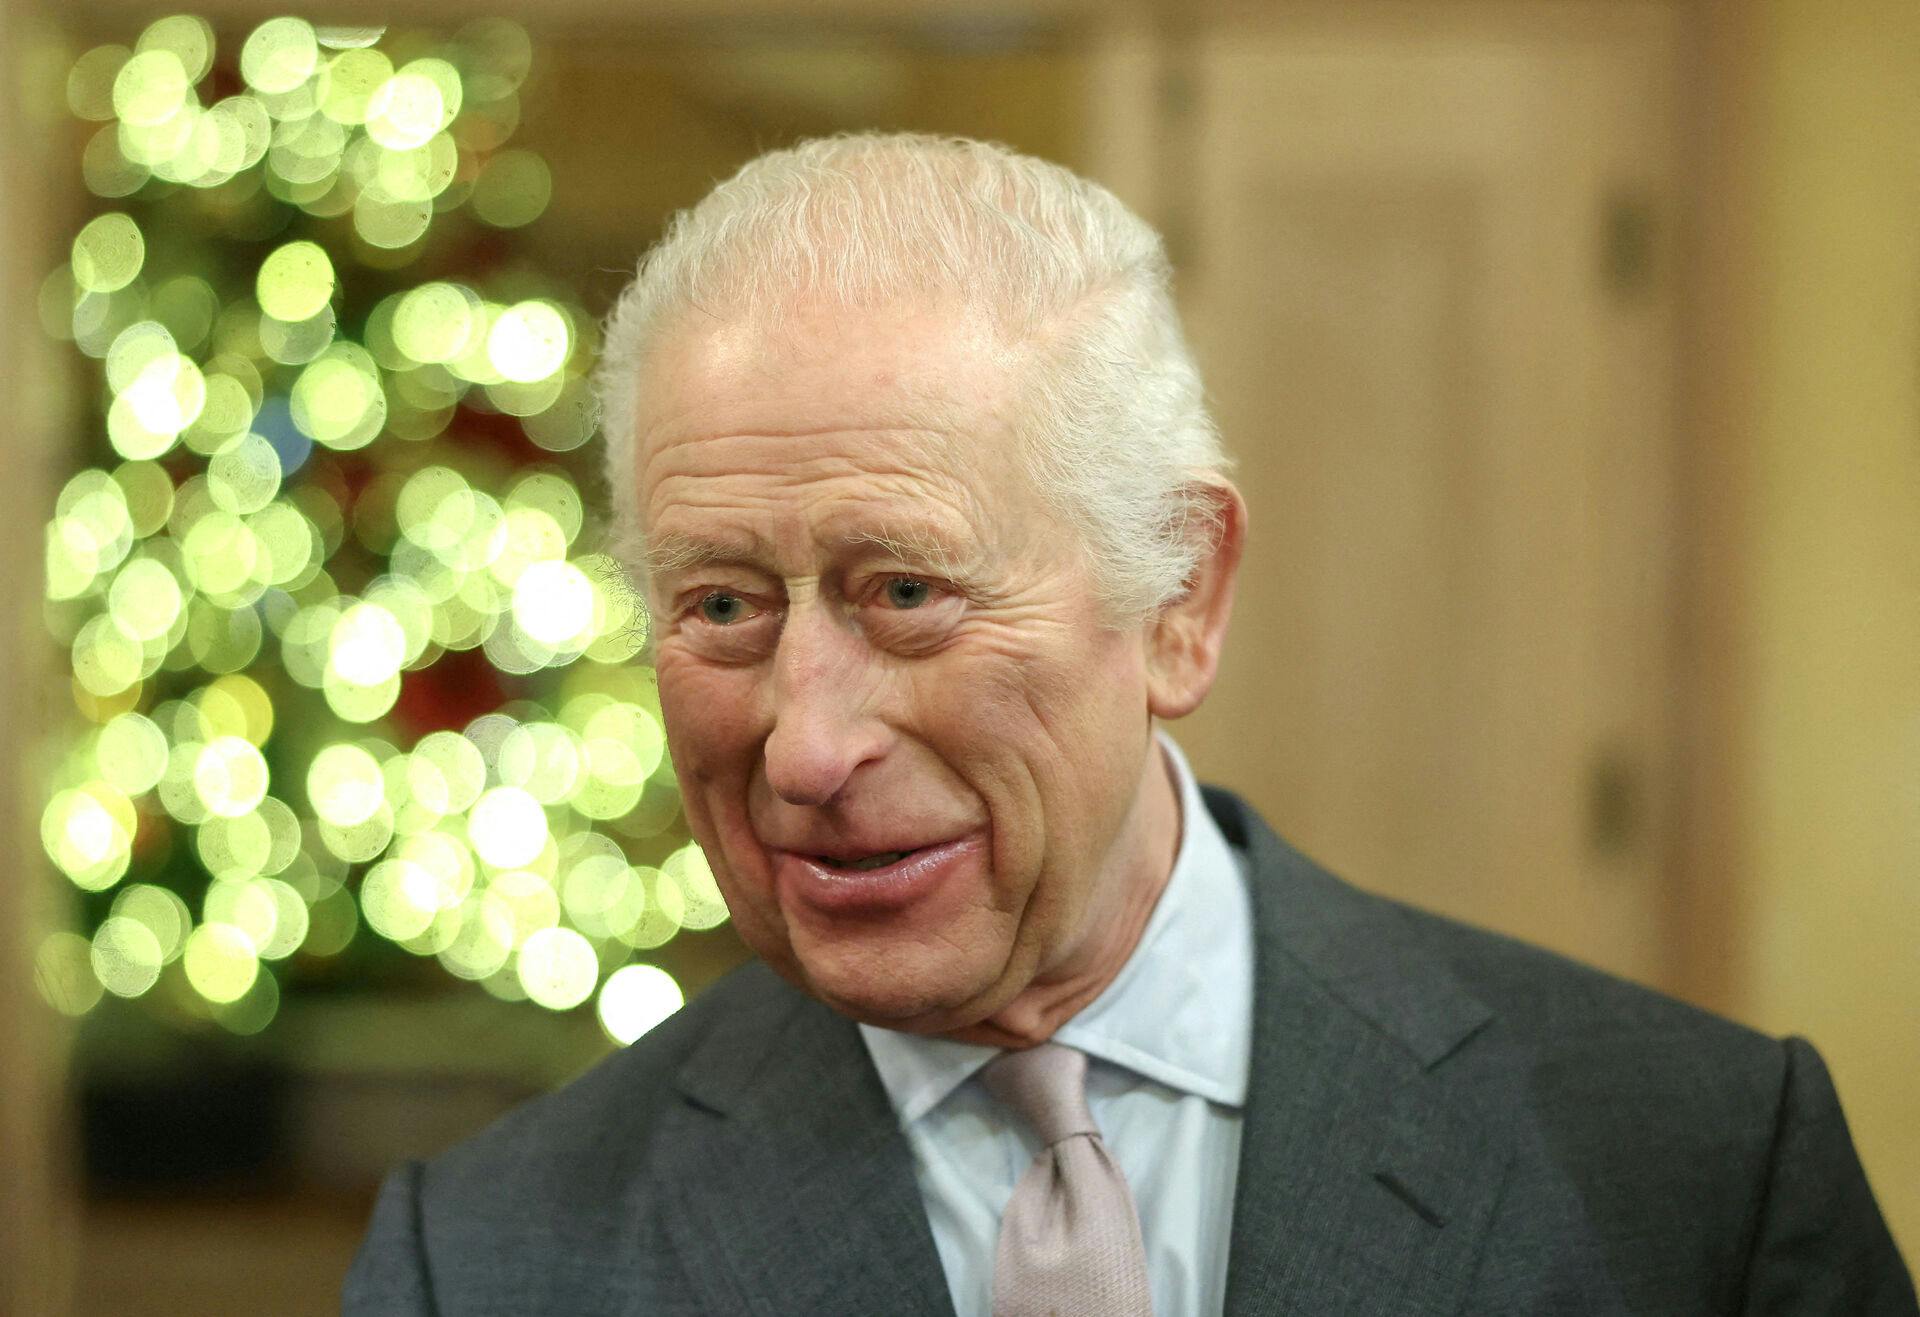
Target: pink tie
1070 1239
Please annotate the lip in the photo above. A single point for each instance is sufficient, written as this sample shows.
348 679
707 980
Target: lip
890 888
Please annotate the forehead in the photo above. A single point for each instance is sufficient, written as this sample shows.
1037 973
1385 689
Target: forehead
903 410
814 368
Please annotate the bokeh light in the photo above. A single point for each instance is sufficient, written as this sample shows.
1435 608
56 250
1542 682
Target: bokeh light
507 827
407 109
63 973
150 89
295 281
108 253
528 342
345 785
91 80
338 401
435 322
188 37
131 753
634 999
161 912
702 906
88 833
557 968
230 777
513 189
368 645
280 55
126 956
347 673
221 962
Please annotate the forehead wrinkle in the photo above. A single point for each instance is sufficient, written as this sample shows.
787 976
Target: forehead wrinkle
898 467
921 512
823 488
685 452
758 458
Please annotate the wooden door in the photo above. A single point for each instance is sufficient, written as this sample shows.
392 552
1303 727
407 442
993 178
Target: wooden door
1422 263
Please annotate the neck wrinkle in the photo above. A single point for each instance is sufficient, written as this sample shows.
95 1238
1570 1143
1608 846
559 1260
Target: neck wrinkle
1043 1008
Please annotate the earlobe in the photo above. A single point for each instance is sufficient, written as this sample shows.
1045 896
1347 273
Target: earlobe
1185 637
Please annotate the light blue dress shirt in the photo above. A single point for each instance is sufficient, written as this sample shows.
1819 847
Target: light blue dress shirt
1169 1038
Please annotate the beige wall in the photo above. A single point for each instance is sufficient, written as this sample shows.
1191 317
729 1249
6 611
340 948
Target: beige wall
1829 904
35 1199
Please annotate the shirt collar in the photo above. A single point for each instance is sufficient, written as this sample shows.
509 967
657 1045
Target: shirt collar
1181 1009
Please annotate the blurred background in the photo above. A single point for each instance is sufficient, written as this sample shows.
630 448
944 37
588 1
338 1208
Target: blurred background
1571 353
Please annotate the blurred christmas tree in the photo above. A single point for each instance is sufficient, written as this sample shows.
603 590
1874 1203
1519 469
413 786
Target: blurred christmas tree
350 681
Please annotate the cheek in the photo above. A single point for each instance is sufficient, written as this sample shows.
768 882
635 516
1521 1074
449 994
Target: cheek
713 739
1062 702
710 715
1049 734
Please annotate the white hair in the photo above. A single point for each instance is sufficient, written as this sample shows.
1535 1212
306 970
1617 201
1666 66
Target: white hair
1117 433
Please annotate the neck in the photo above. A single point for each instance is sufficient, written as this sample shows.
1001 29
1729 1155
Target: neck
1146 852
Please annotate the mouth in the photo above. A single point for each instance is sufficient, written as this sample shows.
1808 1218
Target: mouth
876 882
865 864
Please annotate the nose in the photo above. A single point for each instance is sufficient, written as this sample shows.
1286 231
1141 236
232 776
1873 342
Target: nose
824 724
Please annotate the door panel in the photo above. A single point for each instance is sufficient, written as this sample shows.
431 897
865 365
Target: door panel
1423 282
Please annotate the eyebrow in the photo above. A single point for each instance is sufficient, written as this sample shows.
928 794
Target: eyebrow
678 553
918 548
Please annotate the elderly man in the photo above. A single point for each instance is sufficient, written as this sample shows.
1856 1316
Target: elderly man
936 531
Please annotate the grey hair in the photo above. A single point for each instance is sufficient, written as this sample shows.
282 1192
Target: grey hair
1117 433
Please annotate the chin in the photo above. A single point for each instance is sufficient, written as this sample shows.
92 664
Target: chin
868 986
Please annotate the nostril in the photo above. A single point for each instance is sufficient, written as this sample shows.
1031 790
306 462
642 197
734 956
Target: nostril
809 760
812 781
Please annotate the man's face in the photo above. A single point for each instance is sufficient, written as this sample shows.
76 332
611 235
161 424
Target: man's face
905 739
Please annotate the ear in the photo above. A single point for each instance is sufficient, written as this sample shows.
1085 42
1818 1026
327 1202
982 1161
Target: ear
1185 636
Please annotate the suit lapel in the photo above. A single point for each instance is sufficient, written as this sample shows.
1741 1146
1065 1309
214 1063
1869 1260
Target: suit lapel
1367 1179
1367 1175
795 1183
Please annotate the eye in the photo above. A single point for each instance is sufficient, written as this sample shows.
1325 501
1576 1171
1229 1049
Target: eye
905 592
723 609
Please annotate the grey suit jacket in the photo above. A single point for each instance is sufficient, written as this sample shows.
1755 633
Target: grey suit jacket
1439 1120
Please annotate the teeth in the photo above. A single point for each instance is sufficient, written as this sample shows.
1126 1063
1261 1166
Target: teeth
871 862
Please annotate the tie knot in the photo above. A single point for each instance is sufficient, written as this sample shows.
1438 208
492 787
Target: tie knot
1047 1085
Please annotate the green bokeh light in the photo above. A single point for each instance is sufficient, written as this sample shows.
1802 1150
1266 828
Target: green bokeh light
187 37
280 55
507 827
406 110
161 912
145 599
513 190
345 786
290 410
634 999
349 81
126 956
108 253
529 341
295 281
151 88
221 962
131 753
90 82
557 968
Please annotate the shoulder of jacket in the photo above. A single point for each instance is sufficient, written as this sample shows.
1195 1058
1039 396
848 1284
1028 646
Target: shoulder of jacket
585 1120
